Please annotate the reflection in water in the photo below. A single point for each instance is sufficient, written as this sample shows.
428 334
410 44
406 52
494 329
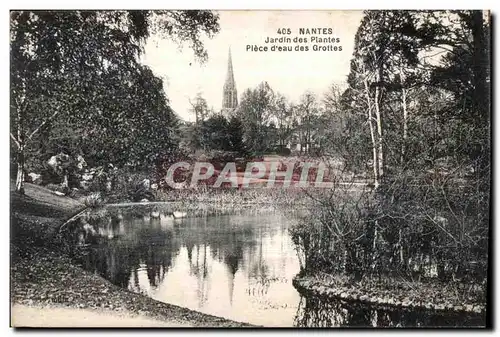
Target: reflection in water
235 266
314 312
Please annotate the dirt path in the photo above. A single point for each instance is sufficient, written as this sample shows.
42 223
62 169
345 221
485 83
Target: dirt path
53 317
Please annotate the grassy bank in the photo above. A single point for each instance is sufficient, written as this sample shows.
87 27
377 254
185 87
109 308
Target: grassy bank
43 275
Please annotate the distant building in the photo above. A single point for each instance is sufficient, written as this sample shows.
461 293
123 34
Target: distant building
229 93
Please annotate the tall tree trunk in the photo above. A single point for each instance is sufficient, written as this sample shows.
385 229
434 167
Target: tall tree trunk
378 112
405 119
20 151
372 134
20 169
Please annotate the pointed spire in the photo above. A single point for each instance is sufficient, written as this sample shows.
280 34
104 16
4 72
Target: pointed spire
230 95
230 75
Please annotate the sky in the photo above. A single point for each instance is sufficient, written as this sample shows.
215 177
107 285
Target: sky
290 73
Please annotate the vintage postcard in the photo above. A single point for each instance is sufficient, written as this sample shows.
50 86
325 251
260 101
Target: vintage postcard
197 168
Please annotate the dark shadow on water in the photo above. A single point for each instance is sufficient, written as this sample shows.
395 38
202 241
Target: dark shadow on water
316 312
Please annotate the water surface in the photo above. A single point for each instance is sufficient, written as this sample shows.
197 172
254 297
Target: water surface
237 266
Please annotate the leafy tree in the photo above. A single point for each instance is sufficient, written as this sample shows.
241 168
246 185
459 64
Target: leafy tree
214 133
199 108
464 71
82 68
412 106
235 136
284 113
255 111
307 112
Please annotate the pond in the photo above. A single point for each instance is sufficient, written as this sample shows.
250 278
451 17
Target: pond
239 266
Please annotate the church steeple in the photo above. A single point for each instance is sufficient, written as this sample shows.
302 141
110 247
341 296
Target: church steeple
229 95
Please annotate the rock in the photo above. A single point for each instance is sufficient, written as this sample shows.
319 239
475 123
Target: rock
144 200
35 178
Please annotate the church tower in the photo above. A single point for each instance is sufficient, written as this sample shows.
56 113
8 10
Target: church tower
229 94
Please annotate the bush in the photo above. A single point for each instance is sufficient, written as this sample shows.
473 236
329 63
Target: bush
93 200
404 229
327 239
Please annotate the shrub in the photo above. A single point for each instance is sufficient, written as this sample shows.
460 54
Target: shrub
93 200
404 229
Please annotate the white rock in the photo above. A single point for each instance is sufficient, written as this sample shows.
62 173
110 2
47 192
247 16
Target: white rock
35 178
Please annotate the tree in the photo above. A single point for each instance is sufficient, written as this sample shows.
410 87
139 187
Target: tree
283 115
463 37
214 133
199 108
255 110
383 46
235 136
79 66
307 111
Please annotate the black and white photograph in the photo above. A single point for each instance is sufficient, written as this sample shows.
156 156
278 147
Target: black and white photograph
250 168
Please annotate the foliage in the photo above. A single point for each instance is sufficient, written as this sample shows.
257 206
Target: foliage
81 70
255 111
93 200
418 126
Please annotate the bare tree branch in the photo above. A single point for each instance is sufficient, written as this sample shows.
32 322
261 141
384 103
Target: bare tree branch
15 140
